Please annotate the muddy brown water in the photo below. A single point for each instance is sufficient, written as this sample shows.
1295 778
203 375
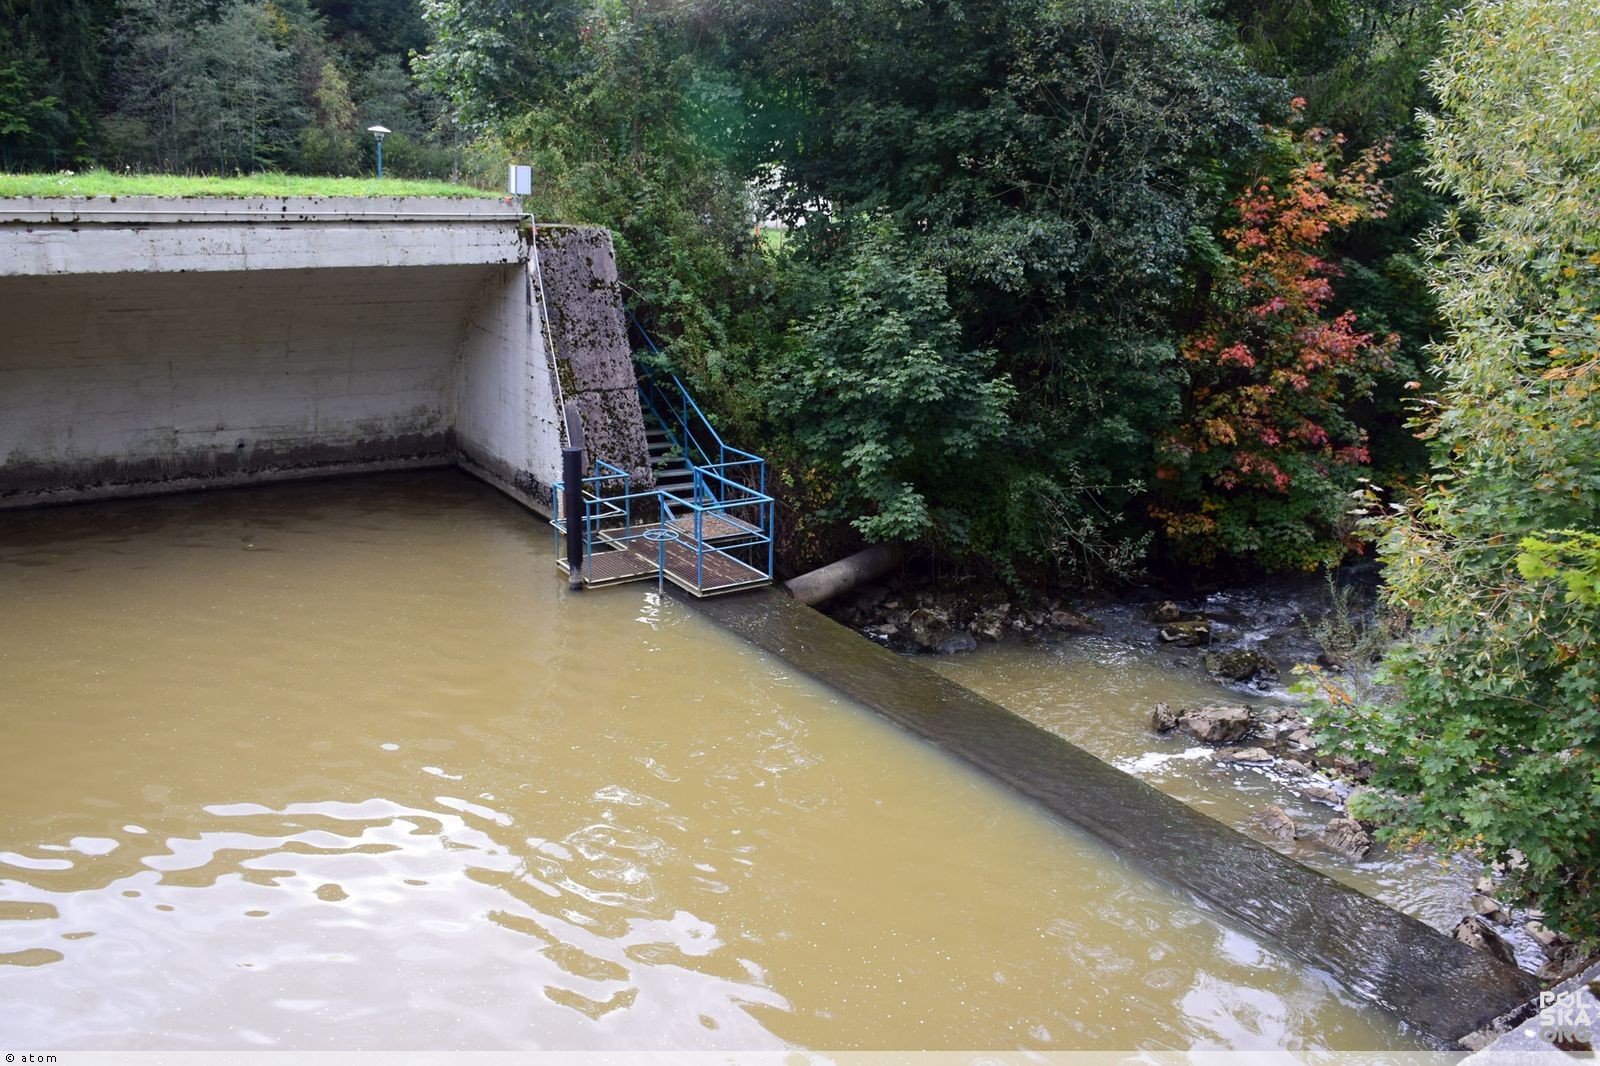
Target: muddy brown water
343 764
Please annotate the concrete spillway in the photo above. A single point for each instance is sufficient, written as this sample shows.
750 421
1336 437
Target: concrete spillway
1434 983
151 344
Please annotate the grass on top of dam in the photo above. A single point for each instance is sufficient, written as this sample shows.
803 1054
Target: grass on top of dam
110 183
343 764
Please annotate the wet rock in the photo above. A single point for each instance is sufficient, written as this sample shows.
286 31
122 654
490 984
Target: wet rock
1075 622
1475 932
1245 755
1484 885
989 626
1323 794
887 632
1216 724
1544 936
1490 908
1277 823
1299 739
1347 837
1164 612
1162 719
957 642
928 628
1241 664
1293 768
1358 771
1185 634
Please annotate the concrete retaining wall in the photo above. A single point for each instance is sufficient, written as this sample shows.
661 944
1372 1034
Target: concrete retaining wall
157 345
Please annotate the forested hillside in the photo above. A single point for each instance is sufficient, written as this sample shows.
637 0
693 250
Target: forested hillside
194 86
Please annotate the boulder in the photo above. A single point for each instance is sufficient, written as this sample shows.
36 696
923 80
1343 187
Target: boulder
1216 724
1075 622
928 627
1346 836
1323 794
989 625
1185 634
1475 932
1293 768
957 642
1162 720
1241 664
1164 612
1277 823
1299 739
1488 907
1245 755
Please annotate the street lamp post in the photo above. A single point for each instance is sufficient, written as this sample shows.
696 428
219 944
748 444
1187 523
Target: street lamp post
378 132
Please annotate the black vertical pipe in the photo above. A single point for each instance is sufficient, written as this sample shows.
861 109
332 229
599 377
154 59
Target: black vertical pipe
572 507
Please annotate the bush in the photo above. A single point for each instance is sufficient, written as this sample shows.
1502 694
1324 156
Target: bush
1491 738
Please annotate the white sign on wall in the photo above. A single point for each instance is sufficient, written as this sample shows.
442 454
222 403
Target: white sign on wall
521 180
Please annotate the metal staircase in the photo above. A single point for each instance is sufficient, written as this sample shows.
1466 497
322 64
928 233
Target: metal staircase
705 524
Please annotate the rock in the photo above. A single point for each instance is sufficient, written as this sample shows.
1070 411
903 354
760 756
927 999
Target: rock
928 627
1216 724
1485 885
1323 794
1185 634
1474 932
1300 739
1164 612
1293 768
1547 938
990 625
957 642
1276 821
884 631
1240 664
1162 720
1489 907
1346 836
1358 771
1244 755
1075 622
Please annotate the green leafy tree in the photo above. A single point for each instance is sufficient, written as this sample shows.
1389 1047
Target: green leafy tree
1492 736
881 389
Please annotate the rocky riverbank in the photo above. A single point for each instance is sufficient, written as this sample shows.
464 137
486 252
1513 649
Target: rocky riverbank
1247 641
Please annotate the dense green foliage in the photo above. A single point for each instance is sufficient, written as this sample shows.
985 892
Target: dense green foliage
200 86
1491 737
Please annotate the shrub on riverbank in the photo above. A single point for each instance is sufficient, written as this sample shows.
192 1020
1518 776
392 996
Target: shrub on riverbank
1491 737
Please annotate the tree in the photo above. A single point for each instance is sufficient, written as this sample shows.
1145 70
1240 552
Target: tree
881 390
1262 465
1053 158
1490 737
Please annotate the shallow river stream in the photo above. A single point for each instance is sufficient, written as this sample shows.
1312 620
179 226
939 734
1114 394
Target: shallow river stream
342 764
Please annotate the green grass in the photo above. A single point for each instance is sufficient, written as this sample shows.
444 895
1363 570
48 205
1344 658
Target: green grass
107 183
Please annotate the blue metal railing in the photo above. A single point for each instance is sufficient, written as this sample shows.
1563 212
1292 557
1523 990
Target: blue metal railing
690 431
729 520
642 524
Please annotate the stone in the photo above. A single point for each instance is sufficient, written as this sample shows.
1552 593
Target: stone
990 625
1293 768
957 642
1475 932
1299 739
869 597
1347 837
929 627
1277 823
1164 612
1323 794
1546 937
1484 884
1216 724
1241 664
1185 634
1490 908
1075 622
1244 755
1162 720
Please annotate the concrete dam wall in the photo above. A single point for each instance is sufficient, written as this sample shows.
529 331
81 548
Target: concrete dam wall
152 345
